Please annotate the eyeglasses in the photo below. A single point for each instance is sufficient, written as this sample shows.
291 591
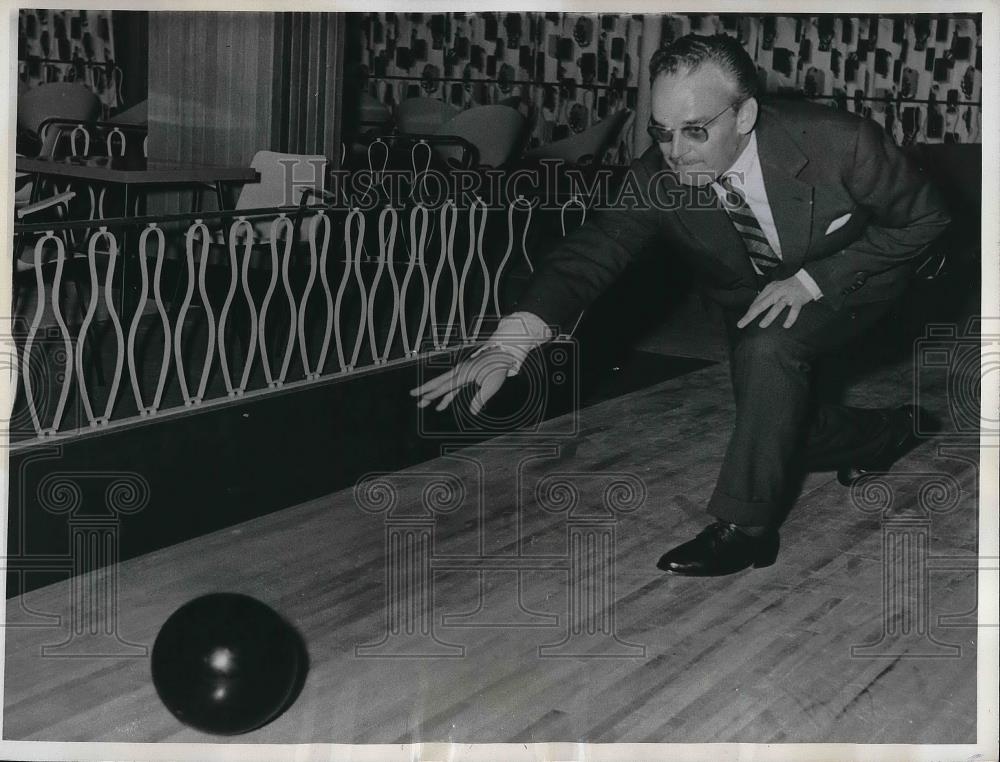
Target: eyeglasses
696 133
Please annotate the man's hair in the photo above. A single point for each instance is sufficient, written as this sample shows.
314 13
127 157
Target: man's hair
691 51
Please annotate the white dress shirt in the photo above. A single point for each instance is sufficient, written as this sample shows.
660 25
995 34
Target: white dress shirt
749 178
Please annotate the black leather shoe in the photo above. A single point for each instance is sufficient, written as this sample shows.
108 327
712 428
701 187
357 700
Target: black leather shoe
902 438
719 549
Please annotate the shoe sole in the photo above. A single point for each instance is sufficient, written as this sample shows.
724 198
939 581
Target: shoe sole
850 474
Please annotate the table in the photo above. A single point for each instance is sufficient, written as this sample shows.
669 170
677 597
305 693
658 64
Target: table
130 171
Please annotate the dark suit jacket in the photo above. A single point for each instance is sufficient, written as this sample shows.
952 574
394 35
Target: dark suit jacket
819 164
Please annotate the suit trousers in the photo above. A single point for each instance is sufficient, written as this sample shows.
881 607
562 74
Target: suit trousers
781 430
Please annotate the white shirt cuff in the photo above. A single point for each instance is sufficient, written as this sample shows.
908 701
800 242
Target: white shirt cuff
807 280
517 334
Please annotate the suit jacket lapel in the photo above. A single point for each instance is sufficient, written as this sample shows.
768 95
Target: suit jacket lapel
790 199
704 220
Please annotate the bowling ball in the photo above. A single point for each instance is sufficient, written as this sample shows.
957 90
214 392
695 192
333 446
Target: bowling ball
226 663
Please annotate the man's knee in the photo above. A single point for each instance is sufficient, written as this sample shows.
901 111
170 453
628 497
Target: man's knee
771 347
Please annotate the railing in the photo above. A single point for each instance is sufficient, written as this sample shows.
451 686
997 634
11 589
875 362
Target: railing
126 320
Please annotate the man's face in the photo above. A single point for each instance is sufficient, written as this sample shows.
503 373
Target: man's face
693 98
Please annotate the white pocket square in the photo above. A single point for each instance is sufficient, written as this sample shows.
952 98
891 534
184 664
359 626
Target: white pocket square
838 223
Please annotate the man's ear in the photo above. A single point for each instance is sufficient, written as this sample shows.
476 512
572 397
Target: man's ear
746 116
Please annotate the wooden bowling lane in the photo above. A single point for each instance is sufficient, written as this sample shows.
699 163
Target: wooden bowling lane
764 656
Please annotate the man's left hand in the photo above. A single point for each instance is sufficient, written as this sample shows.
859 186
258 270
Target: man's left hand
777 296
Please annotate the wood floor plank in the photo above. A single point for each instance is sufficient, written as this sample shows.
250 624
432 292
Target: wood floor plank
763 656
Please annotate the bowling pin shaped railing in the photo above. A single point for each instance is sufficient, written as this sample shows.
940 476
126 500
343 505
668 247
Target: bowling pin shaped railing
317 264
115 321
240 233
442 330
574 200
470 328
519 203
198 232
386 246
417 261
281 236
239 304
157 281
353 246
64 368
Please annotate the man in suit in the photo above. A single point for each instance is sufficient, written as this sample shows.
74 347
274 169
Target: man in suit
804 223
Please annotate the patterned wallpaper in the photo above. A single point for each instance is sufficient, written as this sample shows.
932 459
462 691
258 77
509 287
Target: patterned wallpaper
919 75
61 46
574 69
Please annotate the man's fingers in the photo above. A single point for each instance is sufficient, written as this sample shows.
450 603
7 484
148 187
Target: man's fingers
446 400
431 394
772 314
773 299
487 372
761 303
434 386
448 382
793 315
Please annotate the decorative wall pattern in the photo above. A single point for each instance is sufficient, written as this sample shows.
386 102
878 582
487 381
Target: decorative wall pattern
69 46
572 69
919 76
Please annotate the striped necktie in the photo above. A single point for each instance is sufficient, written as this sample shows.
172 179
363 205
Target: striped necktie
762 256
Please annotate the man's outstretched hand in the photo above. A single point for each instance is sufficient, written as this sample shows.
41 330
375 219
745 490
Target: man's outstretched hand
775 298
488 370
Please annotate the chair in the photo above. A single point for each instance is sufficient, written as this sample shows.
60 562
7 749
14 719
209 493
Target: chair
423 115
68 100
22 188
76 137
137 114
56 99
284 179
57 202
373 112
587 146
493 130
529 111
